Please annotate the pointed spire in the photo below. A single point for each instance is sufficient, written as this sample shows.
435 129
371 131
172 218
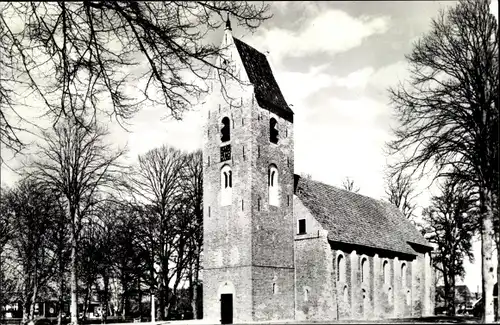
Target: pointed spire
228 22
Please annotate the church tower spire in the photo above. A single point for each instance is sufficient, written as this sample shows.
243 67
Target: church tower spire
228 23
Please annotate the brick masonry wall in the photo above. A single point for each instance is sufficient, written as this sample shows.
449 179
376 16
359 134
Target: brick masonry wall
314 270
238 283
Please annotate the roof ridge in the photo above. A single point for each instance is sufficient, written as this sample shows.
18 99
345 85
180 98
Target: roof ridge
250 46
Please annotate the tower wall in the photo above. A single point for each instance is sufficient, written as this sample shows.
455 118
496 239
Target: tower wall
248 245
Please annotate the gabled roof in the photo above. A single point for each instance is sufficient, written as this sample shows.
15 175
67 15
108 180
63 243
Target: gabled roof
357 219
267 91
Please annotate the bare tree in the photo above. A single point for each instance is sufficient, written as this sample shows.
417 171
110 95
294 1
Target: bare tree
6 233
348 184
77 163
157 182
193 191
400 192
73 55
31 210
448 112
451 224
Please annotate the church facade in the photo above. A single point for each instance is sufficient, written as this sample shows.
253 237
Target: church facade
281 247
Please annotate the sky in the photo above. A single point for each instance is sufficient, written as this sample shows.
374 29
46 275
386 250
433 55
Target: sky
334 62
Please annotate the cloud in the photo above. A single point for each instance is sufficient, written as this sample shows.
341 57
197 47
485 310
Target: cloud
356 79
389 75
494 8
330 32
297 86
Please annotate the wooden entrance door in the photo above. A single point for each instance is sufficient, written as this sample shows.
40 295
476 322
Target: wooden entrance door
226 308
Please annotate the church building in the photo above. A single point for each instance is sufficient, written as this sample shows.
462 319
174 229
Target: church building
281 247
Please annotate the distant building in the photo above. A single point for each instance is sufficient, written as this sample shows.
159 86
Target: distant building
281 247
464 299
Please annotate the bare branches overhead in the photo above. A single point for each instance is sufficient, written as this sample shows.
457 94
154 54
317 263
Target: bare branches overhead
82 58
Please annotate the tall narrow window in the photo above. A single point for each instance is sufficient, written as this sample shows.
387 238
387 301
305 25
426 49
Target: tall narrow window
273 185
226 185
346 294
273 130
225 131
403 274
258 204
341 268
364 270
306 294
386 272
275 288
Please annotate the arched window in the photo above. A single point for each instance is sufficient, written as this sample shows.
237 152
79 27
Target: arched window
346 294
389 295
306 294
341 268
387 272
403 274
225 131
226 178
275 289
273 184
273 130
365 272
408 297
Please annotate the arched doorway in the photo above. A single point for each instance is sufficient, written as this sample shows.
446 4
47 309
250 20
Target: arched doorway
226 294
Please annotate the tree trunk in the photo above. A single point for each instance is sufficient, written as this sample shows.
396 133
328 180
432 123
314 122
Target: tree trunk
86 300
73 269
153 309
498 278
195 284
487 247
448 298
26 310
33 301
106 299
124 295
139 292
60 294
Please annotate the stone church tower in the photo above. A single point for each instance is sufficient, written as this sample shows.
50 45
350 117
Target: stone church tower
248 180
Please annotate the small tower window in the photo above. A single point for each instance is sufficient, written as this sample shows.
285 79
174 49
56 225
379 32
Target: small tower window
346 294
226 185
273 185
225 131
275 288
273 131
341 268
306 294
302 226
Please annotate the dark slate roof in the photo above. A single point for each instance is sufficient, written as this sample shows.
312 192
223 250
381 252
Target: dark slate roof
357 219
267 91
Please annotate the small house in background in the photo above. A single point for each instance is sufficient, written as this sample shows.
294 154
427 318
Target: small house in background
464 300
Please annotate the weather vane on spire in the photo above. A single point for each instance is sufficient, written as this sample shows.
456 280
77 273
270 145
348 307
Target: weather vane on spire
228 22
